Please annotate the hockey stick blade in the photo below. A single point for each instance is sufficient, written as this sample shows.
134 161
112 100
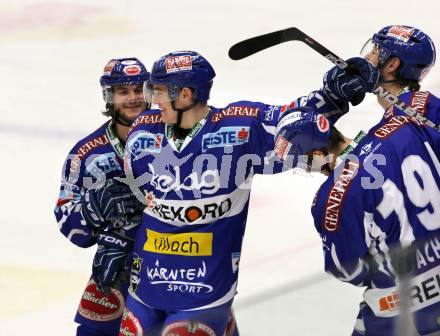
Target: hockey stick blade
256 44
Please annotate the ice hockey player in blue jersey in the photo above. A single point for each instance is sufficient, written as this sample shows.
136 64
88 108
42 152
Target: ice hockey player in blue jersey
193 165
382 194
94 208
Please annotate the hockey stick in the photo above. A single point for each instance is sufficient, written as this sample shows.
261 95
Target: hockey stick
256 44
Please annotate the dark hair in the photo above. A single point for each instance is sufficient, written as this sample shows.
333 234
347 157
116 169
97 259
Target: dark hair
109 112
335 139
412 84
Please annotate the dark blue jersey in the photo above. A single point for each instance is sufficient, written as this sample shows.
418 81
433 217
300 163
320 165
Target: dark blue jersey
384 195
188 247
97 157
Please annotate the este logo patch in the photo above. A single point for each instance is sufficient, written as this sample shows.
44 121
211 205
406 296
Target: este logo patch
226 136
145 142
185 244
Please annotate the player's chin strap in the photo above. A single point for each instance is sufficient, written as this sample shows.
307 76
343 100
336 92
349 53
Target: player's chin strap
181 110
390 81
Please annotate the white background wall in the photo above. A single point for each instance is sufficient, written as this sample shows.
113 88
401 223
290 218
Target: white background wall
51 56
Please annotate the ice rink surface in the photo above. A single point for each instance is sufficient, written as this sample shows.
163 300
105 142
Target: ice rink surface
51 56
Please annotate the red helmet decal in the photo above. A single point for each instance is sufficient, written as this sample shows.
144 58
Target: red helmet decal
132 70
109 67
178 63
400 32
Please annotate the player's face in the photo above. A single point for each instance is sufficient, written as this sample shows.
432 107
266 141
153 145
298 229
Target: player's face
321 162
370 51
129 101
161 99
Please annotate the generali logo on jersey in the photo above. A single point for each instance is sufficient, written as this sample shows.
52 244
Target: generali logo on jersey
86 148
400 32
419 100
234 111
178 63
391 126
337 194
146 119
98 306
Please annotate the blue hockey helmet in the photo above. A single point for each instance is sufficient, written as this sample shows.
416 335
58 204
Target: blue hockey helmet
414 48
122 71
300 131
181 69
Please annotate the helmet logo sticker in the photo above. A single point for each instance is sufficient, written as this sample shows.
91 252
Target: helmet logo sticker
322 123
132 70
128 62
109 67
178 63
400 32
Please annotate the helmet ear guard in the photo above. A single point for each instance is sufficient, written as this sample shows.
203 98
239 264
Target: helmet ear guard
107 94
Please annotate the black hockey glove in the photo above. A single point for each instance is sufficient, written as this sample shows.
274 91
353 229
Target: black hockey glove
110 262
112 202
351 84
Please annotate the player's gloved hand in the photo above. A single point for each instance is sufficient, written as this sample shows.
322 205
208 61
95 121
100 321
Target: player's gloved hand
106 204
109 264
299 131
351 84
